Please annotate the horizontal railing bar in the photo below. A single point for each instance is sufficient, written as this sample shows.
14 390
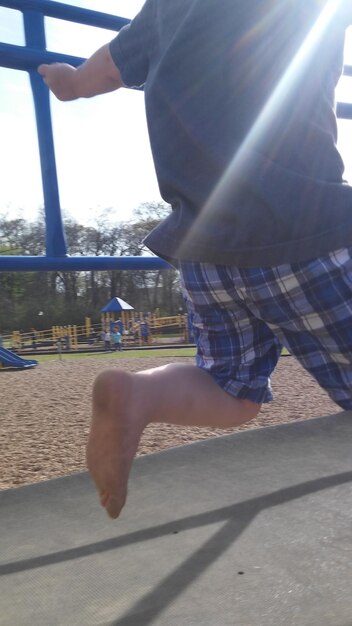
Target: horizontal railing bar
24 58
67 12
80 263
344 110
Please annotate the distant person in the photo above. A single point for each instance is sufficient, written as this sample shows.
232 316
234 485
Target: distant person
116 339
107 340
145 332
240 105
120 325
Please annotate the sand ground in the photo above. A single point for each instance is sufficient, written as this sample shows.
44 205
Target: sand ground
45 415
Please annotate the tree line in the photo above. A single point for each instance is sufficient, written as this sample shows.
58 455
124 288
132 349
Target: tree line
44 299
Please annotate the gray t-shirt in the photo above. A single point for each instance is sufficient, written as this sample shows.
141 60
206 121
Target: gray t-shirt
240 107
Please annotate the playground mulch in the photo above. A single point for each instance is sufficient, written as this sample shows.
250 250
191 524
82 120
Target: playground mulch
45 414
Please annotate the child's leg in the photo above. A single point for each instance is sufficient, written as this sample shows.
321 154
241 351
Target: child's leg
239 353
124 403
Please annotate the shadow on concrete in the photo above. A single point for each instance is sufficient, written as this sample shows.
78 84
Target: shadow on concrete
236 518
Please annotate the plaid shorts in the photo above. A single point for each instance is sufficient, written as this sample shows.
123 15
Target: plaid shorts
242 318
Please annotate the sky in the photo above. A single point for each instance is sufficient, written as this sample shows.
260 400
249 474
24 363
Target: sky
102 149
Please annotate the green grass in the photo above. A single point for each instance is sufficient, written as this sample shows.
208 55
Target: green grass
128 354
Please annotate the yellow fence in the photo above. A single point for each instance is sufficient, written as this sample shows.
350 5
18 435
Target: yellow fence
138 329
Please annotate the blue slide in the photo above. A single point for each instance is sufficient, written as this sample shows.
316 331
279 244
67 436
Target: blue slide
10 359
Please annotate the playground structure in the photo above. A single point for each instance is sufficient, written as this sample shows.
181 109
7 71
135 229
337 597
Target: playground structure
27 58
217 549
138 330
10 360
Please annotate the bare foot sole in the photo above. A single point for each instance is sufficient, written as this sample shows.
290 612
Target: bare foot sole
114 436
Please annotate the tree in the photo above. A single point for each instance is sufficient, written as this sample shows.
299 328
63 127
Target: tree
67 297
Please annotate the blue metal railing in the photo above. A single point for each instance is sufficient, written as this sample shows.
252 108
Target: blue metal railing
28 58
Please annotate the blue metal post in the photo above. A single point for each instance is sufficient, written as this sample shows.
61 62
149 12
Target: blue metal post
55 237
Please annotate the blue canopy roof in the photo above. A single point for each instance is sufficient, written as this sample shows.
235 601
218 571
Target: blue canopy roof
116 305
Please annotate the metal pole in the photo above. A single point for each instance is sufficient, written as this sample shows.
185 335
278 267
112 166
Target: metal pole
55 237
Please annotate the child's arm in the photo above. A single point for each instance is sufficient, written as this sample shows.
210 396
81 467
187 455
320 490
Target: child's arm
95 76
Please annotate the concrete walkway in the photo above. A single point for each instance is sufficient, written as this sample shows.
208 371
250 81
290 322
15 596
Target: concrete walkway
251 529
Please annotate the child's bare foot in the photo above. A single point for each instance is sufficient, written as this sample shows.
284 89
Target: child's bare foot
124 403
115 432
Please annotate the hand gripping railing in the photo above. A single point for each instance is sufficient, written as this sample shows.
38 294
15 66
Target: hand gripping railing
28 58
